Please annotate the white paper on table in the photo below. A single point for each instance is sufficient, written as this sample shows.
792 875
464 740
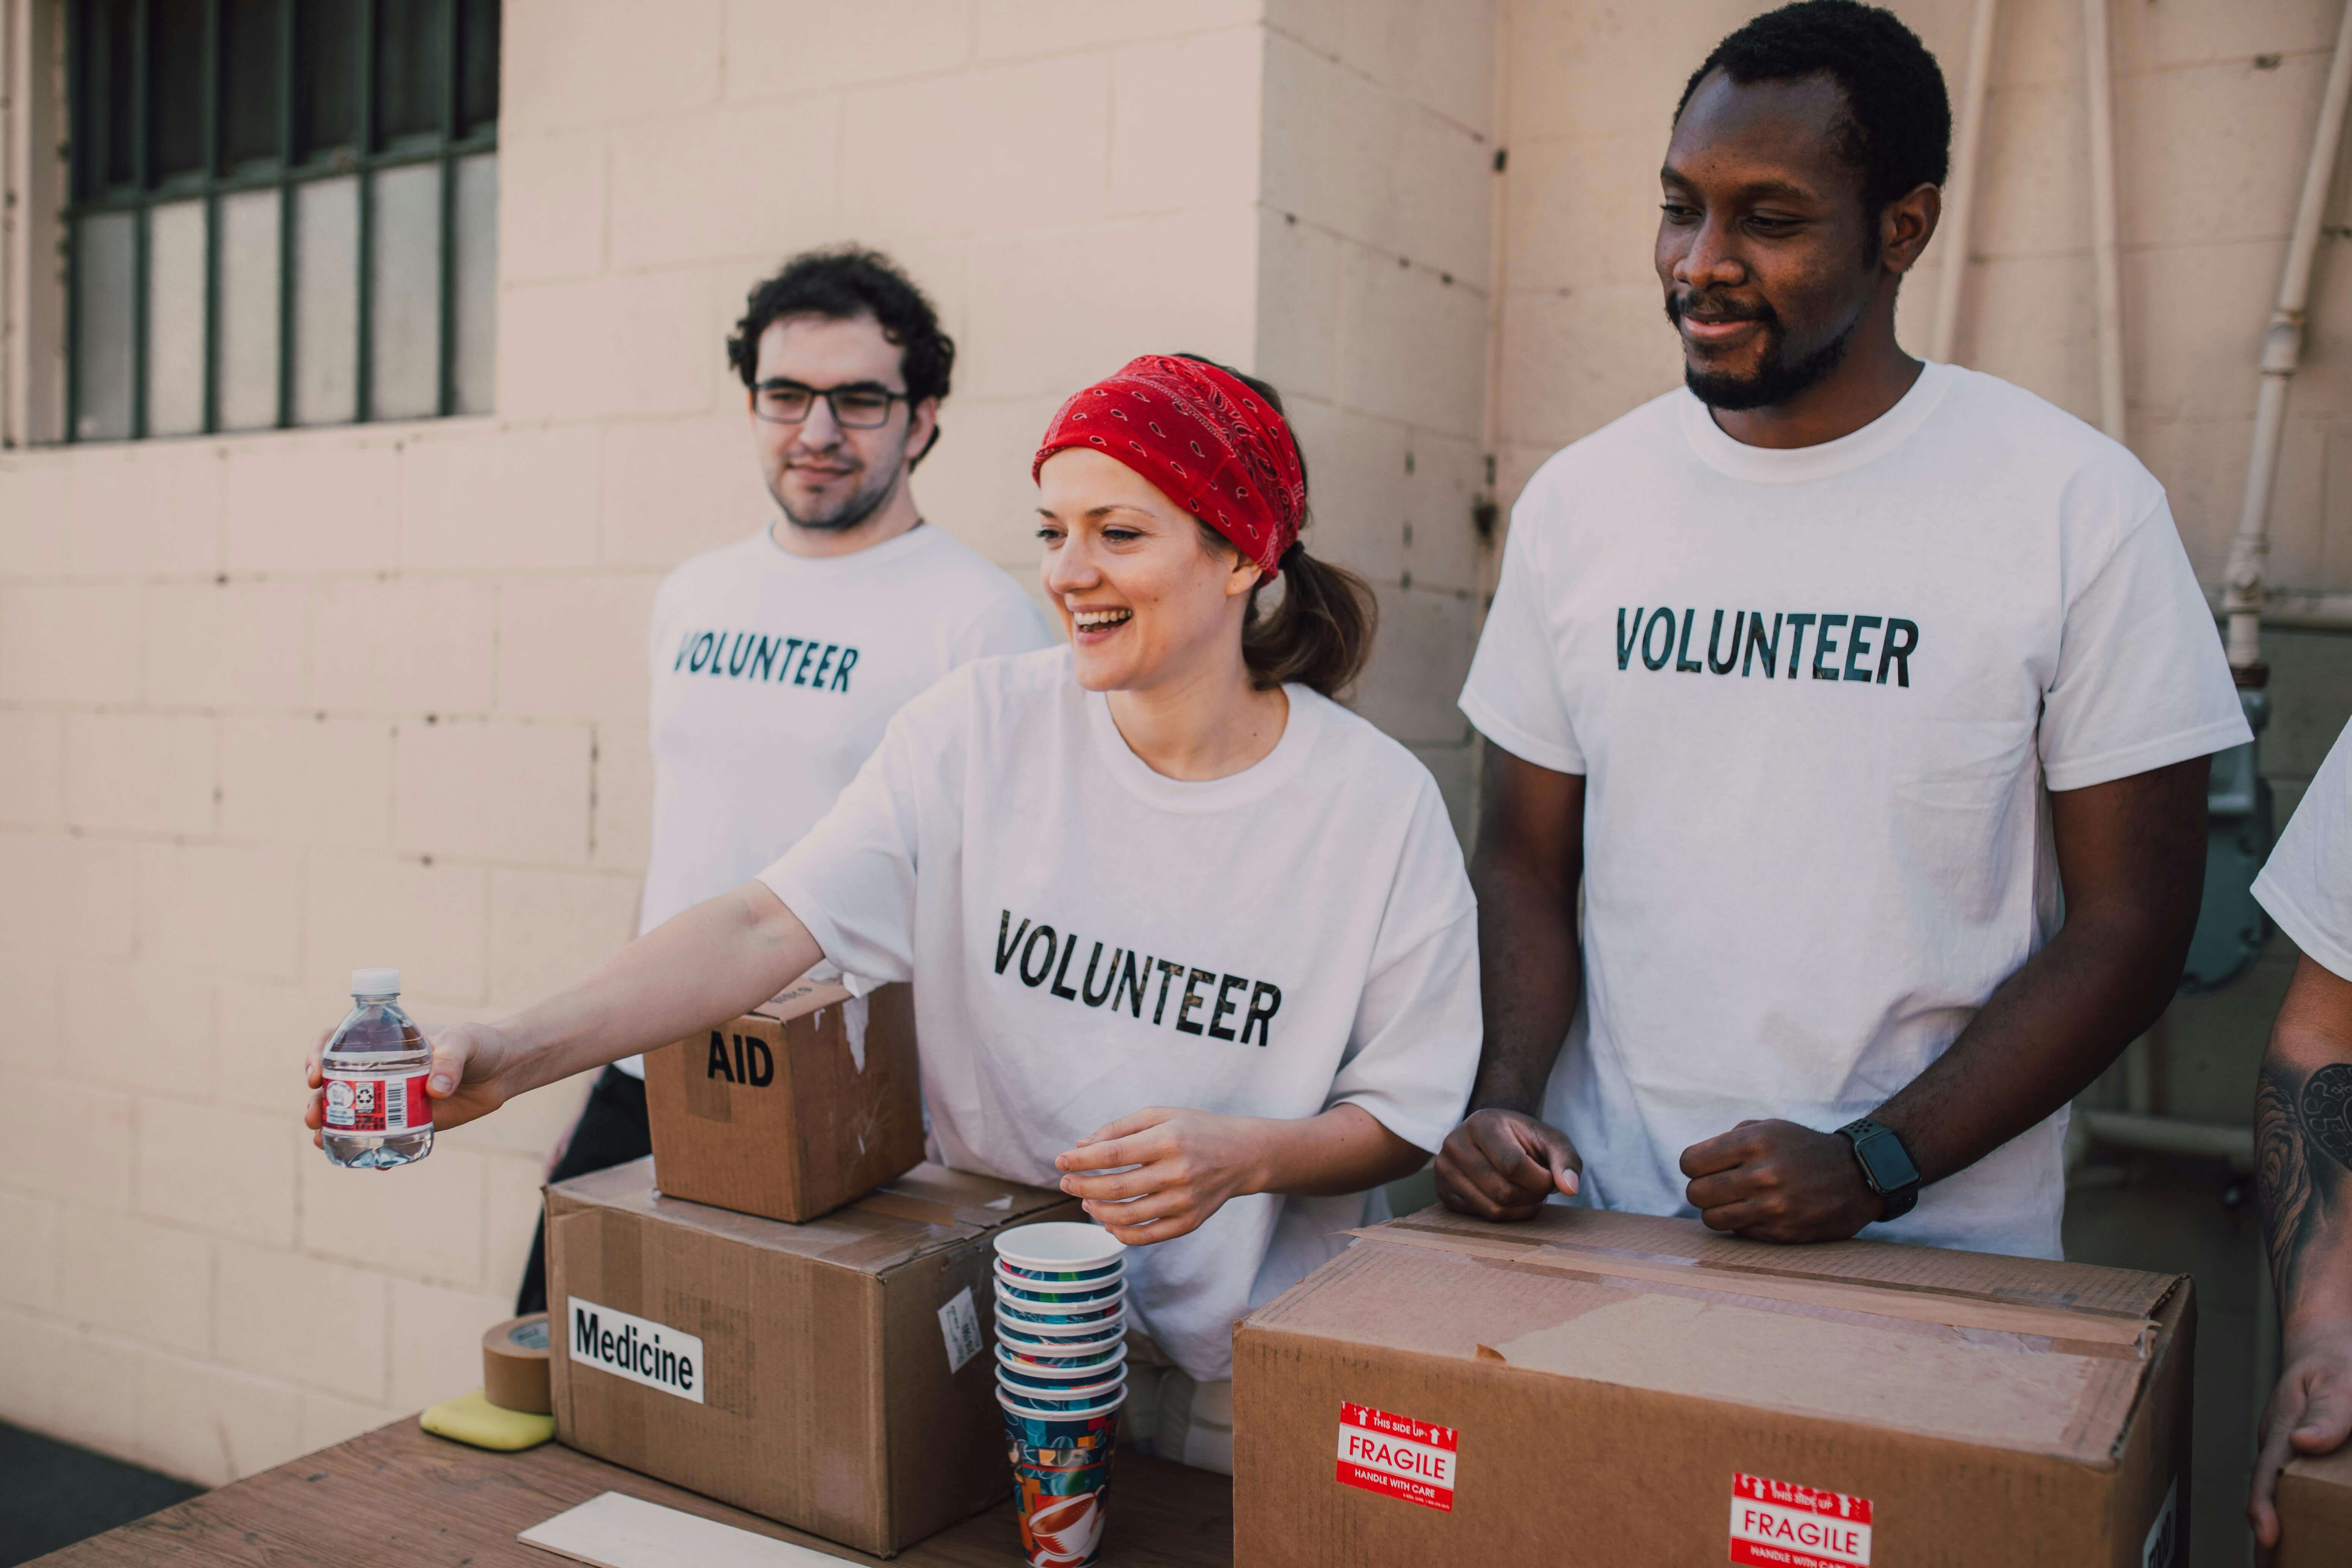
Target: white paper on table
612 1530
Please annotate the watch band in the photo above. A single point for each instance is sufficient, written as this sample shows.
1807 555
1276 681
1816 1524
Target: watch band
1887 1168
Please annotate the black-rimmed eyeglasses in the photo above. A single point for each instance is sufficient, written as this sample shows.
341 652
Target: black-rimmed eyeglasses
862 405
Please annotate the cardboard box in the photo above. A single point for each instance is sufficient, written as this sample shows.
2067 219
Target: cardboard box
835 1376
1613 1389
2314 1505
793 1110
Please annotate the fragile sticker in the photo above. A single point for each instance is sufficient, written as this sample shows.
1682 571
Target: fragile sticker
1779 1524
960 1328
1396 1456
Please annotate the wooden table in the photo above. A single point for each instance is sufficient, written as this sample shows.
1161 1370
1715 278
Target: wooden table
400 1498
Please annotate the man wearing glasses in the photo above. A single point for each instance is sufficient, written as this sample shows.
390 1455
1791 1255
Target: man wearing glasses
777 660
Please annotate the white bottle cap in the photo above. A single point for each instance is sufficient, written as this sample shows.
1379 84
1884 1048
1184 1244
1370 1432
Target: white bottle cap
375 982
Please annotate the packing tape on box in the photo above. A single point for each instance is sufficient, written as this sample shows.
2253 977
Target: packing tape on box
2084 1331
514 1365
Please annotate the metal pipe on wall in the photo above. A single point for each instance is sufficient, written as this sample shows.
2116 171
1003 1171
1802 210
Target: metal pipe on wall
2281 354
1961 186
2098 72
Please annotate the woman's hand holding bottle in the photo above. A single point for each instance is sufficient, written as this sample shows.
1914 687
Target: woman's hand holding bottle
470 1063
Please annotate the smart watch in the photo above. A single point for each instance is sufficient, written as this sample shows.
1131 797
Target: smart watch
1886 1166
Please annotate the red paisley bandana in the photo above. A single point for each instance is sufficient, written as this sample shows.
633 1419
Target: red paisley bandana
1210 444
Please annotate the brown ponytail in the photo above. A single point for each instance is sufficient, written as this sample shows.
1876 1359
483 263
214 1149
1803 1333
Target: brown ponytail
1320 634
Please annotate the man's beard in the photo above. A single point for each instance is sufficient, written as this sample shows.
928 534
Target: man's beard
1775 380
842 515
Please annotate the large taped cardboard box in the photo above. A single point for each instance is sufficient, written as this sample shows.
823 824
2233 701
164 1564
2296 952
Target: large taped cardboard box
1613 1389
793 1108
2314 1506
835 1376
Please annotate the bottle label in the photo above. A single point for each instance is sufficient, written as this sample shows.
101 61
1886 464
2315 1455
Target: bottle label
360 1102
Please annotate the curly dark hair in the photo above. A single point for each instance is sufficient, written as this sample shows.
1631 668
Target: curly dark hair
843 282
1899 126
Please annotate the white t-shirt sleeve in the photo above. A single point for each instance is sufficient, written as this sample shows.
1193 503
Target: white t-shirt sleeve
851 878
2142 681
1414 1049
1513 694
2307 884
1009 624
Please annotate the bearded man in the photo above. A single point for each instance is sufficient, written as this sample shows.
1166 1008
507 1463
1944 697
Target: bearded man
777 660
1867 701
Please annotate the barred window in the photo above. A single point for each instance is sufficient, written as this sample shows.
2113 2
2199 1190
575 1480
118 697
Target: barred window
283 212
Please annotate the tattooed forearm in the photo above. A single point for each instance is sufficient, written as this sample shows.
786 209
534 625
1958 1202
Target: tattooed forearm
2303 1152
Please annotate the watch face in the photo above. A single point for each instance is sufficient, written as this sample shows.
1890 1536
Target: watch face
1883 1157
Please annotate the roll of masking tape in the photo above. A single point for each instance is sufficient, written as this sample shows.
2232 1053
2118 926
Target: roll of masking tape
514 1365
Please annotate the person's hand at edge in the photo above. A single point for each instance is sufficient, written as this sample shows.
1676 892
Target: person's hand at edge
1775 1180
1503 1164
2309 1413
464 1077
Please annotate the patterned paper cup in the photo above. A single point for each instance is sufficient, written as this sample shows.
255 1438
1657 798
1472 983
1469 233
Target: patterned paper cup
1036 1315
1061 1295
1018 1271
1051 1375
1062 1401
1049 1302
1035 1359
1058 1338
1061 1473
1059 1246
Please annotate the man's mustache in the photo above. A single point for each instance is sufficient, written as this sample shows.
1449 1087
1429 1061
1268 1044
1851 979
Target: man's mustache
1711 308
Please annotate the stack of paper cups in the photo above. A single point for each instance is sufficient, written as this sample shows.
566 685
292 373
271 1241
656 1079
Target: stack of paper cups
1061 1376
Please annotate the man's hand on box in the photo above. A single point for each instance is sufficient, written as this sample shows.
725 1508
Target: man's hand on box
1185 1164
466 1077
1775 1180
1504 1165
2310 1411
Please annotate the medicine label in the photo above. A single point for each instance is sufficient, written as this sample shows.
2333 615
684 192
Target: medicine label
655 1354
1780 1524
1396 1456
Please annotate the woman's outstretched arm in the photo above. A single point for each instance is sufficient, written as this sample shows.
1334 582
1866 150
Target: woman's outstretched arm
714 962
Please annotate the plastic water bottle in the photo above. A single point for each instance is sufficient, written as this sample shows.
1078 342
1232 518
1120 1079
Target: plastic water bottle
378 1113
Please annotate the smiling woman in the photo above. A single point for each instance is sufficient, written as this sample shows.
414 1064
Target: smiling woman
1272 1009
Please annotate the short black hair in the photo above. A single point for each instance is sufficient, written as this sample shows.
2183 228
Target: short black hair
1898 127
842 283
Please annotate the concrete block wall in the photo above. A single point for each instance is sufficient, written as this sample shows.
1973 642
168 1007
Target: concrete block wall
1374 275
275 706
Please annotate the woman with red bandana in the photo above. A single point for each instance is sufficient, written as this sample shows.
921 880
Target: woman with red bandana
1189 940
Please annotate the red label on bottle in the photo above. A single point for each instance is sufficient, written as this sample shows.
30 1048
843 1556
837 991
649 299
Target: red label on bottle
365 1103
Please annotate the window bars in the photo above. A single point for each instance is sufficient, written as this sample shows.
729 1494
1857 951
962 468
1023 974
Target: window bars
283 213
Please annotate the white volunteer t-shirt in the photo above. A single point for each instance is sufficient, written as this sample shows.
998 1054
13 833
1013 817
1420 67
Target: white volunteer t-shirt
773 675
1816 696
2306 884
1088 938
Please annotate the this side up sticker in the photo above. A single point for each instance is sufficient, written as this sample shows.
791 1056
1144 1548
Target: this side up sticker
1396 1457
1779 1524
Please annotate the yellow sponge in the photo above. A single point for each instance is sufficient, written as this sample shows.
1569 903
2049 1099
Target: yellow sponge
470 1418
